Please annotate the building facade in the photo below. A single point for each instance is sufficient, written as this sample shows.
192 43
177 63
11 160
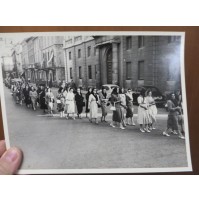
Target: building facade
129 61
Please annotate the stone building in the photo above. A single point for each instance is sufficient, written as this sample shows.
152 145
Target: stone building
128 61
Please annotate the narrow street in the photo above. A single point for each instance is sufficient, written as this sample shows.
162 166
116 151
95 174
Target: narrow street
55 143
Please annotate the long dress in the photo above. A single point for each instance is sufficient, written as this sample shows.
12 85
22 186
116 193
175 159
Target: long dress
27 99
60 102
70 100
49 100
152 107
129 104
103 102
123 105
117 114
93 105
43 100
143 113
172 122
87 97
79 102
33 96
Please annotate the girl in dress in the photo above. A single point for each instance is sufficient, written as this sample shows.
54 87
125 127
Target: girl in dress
60 103
87 97
70 101
79 102
173 115
117 114
103 103
50 100
27 99
151 108
33 96
143 113
123 105
129 109
93 102
43 99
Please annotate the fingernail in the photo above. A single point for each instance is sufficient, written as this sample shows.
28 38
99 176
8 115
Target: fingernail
11 155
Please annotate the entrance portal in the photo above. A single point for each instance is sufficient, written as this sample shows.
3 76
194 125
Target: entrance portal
109 66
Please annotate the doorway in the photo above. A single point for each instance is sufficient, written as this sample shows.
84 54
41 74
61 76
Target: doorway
109 66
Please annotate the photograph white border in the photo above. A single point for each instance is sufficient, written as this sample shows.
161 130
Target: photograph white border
20 35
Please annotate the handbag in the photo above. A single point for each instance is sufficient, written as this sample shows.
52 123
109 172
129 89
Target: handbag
113 108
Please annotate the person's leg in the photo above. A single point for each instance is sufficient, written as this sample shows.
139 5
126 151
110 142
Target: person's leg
141 128
121 125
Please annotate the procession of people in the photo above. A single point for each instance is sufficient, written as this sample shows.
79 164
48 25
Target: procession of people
70 100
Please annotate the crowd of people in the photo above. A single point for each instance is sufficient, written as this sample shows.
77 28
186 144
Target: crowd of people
70 99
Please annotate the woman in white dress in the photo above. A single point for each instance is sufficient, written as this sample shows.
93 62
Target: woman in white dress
93 103
70 101
151 108
143 113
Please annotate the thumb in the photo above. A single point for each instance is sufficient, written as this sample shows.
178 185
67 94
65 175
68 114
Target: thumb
10 161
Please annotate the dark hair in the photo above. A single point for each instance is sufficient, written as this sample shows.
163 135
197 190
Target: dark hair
142 92
89 88
148 91
115 90
93 90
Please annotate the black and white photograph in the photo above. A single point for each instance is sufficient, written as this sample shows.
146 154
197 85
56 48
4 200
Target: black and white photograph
95 102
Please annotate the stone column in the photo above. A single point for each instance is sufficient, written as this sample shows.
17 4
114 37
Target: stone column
97 63
114 63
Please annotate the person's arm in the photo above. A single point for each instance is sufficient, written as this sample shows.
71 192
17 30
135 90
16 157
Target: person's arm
10 160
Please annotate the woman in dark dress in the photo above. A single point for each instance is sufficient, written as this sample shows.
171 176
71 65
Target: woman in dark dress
27 98
42 101
79 102
117 114
87 97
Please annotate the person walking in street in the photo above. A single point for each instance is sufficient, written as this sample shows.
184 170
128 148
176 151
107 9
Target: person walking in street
60 102
27 98
129 109
143 113
93 103
173 117
87 100
33 96
151 108
123 105
79 102
70 101
43 104
104 103
117 113
50 100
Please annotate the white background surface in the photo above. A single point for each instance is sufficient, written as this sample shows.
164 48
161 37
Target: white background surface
99 13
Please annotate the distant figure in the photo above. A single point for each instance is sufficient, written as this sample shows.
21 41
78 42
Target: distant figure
79 102
70 101
87 99
43 104
33 96
103 102
27 99
73 85
129 109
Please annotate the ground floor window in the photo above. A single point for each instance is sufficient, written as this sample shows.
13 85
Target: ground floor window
89 72
128 70
140 70
80 72
71 73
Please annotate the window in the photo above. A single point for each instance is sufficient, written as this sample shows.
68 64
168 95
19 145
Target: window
71 73
128 70
140 70
89 51
172 39
69 55
128 42
94 51
80 72
140 41
79 53
89 72
95 71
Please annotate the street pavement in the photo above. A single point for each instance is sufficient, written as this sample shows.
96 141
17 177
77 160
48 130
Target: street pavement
49 142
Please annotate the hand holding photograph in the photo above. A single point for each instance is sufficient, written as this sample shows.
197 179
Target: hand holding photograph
95 102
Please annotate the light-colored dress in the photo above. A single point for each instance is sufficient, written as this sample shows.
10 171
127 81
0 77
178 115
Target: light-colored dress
103 100
152 107
70 100
143 112
123 105
93 106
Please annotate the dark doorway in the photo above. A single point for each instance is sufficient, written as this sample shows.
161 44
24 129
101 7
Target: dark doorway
109 66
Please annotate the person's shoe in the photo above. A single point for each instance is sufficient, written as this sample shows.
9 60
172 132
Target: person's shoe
153 128
148 131
142 130
165 134
133 124
121 127
112 125
181 137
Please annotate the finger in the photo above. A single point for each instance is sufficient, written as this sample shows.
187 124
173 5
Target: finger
10 161
2 147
